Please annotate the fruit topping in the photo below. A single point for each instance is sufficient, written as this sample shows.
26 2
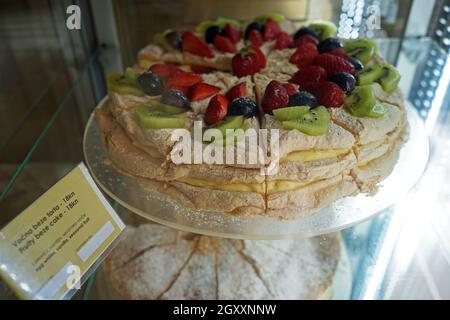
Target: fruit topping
232 32
307 31
237 91
290 113
164 70
329 44
201 69
165 108
275 96
315 122
184 79
217 109
254 26
220 22
212 32
344 80
161 40
229 123
377 111
255 37
307 38
361 101
308 76
325 29
339 52
303 98
243 106
224 44
282 40
278 17
361 49
333 64
182 89
153 119
385 74
304 55
328 94
123 85
195 45
150 83
202 91
356 63
271 29
261 58
175 98
248 61
174 39
290 88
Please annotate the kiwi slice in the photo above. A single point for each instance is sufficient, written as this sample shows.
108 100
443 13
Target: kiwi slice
325 29
152 119
361 49
221 22
232 122
278 17
314 122
160 40
377 111
370 75
121 85
131 76
390 78
290 113
361 101
165 108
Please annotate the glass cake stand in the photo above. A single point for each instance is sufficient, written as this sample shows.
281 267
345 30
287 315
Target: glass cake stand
129 192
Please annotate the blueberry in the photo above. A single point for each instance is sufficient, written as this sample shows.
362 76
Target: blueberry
212 32
174 39
150 83
243 106
254 26
175 98
303 98
344 80
329 44
356 63
303 31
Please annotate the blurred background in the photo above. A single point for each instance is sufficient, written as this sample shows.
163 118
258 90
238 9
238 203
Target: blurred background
53 77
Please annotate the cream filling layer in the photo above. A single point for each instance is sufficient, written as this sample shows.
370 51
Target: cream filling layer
313 155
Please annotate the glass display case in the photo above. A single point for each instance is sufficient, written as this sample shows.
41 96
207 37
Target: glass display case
55 77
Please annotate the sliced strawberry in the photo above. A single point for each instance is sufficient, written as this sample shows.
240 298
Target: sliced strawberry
307 38
184 79
304 55
334 64
217 109
290 88
233 33
164 70
282 40
275 96
255 37
308 76
224 44
271 29
195 45
328 94
201 69
202 91
245 63
261 56
237 91
339 52
183 89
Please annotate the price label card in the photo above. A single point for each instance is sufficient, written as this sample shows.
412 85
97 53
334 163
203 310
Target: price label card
47 251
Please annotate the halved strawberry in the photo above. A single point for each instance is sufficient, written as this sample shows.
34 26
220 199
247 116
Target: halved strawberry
308 76
224 44
340 52
328 94
261 57
307 38
164 70
304 55
183 89
245 63
195 45
275 96
232 32
202 91
201 69
290 88
334 64
237 91
271 29
184 79
282 40
255 37
217 109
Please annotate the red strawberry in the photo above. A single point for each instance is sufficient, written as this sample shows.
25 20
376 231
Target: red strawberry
339 52
304 55
333 64
164 70
184 79
271 29
201 69
237 91
202 91
307 38
308 76
245 63
233 33
283 40
195 45
224 44
290 88
328 94
183 89
275 96
217 109
261 57
255 37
